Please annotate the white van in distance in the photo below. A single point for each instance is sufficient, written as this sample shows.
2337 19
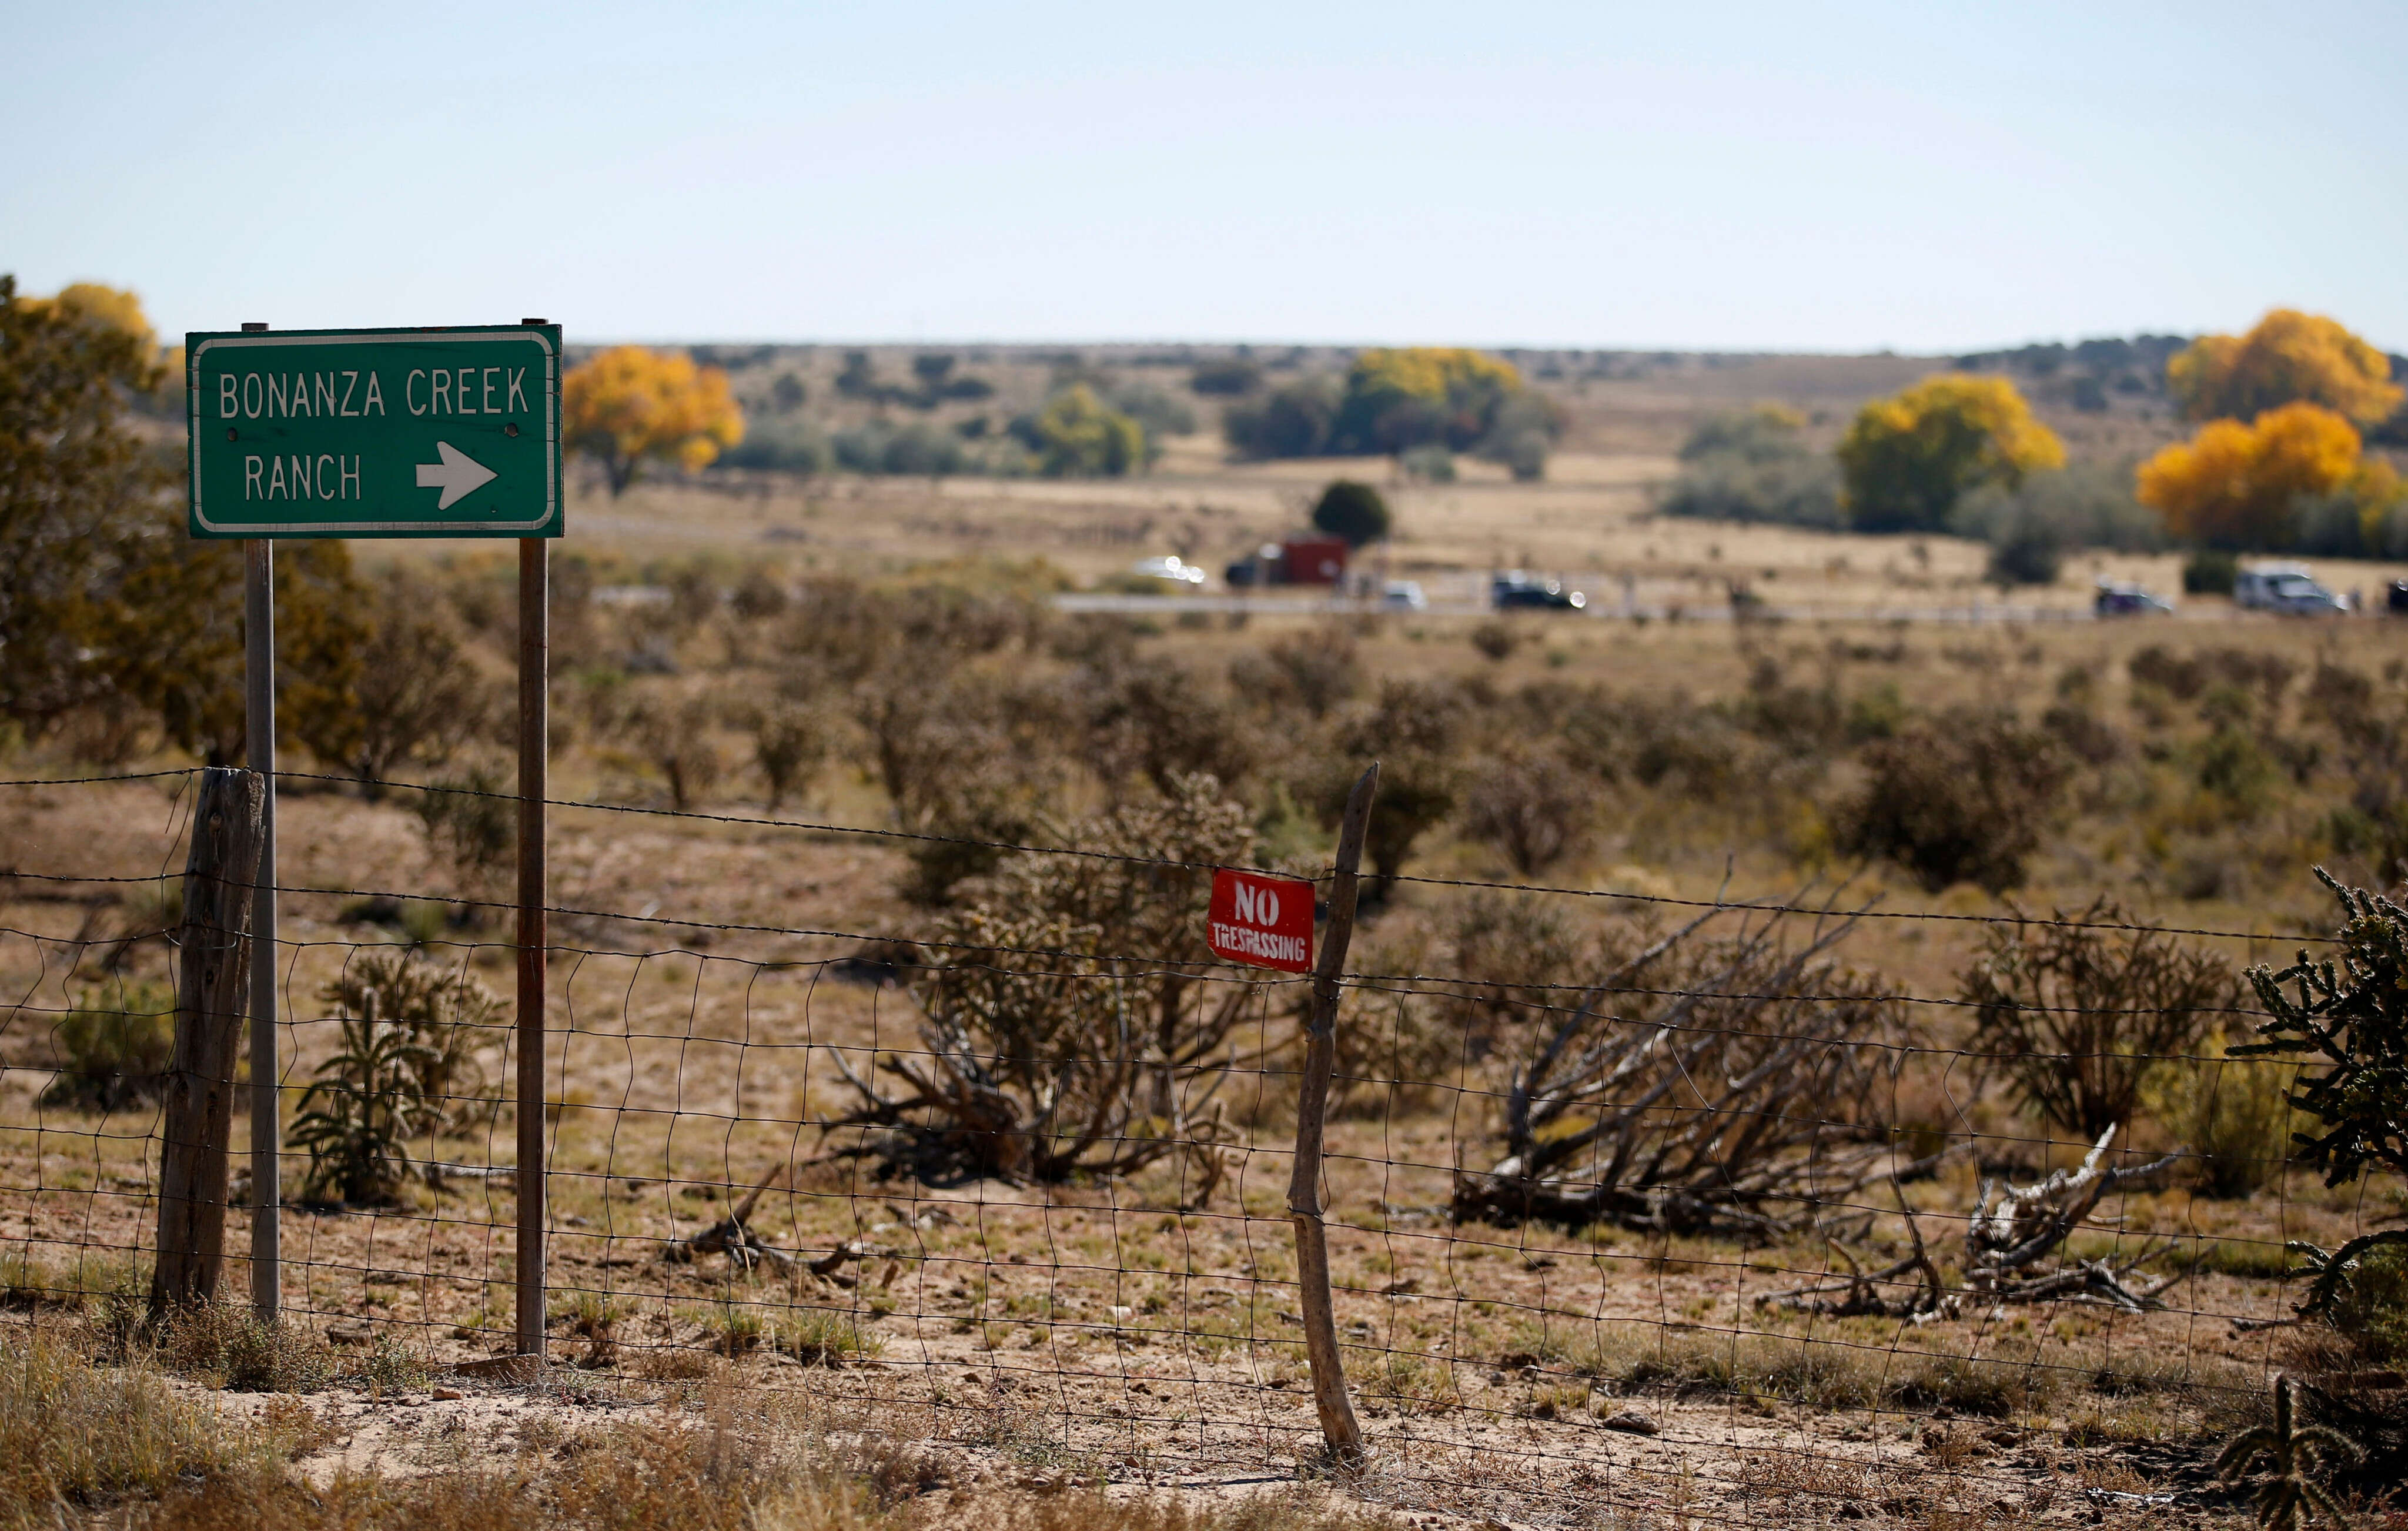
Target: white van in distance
2284 587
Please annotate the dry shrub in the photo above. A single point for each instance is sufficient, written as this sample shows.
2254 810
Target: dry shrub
1821 1373
225 1345
1410 1038
2232 1114
419 692
678 1364
1150 719
966 758
1832 1482
791 737
1708 1082
1414 729
2076 1018
2370 728
115 1044
1296 1507
1495 639
1397 1052
855 630
1963 798
1312 672
1065 1026
1531 807
471 821
1671 743
2186 676
678 738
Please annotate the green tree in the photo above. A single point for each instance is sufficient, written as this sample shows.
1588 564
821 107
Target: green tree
80 498
1753 465
172 640
1765 433
1078 436
1292 422
417 694
1354 511
1907 459
1400 398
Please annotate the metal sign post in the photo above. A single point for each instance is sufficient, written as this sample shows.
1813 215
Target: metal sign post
398 432
534 649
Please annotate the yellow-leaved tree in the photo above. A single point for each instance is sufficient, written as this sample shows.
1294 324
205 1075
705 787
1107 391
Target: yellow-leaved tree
114 306
2241 486
1408 396
1907 459
2288 358
630 406
162 389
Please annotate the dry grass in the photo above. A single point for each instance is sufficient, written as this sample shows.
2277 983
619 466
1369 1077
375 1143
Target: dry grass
74 1437
79 1439
694 1058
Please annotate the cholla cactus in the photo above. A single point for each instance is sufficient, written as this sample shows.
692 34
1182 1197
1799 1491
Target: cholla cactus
368 1102
2348 1019
2294 1457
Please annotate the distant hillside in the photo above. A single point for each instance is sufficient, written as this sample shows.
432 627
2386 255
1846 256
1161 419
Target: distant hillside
954 409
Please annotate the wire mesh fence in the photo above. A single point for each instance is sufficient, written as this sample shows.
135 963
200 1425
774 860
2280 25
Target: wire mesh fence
1675 1216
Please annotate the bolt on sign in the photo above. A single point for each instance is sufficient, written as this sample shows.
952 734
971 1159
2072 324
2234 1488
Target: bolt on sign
1262 921
449 431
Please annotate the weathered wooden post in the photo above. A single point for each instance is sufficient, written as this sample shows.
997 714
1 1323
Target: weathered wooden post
266 1114
1339 1426
212 996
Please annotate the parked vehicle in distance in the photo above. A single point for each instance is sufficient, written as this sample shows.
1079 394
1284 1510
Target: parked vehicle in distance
2122 598
1173 568
1295 561
1516 591
2284 587
1403 595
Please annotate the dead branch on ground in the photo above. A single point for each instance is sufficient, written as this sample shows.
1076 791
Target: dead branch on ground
2005 1240
1728 1085
733 1236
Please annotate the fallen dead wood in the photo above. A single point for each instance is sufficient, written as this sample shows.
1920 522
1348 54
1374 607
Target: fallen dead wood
1707 1085
733 1236
2011 1230
436 1173
2026 1224
1864 1292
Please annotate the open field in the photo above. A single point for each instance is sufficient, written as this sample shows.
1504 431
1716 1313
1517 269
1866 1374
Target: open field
725 974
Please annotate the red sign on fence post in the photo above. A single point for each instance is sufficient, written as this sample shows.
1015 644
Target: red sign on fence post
1261 920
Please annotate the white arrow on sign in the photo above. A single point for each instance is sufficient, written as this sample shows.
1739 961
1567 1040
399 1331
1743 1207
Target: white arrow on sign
458 473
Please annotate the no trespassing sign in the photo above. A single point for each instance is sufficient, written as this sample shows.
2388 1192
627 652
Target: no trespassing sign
1261 920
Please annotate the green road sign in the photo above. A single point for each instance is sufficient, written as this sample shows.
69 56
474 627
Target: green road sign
376 433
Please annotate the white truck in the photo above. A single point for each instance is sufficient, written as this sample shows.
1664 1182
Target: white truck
2284 587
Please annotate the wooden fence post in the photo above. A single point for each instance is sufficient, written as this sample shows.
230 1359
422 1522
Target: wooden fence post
1339 1426
212 995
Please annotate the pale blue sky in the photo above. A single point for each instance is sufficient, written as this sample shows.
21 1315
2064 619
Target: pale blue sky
1928 177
